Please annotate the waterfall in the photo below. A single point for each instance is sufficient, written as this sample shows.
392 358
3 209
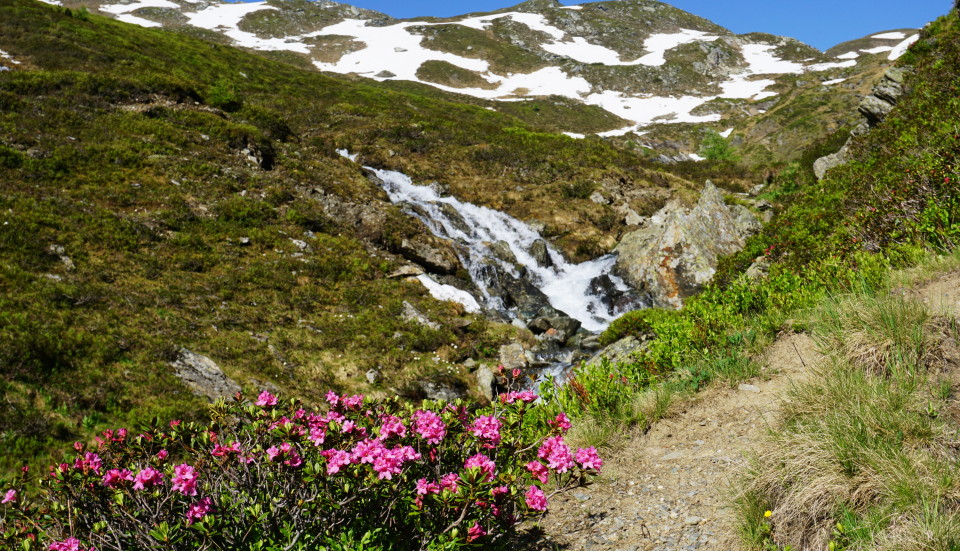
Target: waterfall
500 251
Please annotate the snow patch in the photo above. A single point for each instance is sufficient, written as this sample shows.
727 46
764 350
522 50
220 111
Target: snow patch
574 135
124 12
441 291
659 44
726 133
849 55
346 154
834 81
52 2
902 47
695 157
578 7
226 18
877 50
8 57
896 35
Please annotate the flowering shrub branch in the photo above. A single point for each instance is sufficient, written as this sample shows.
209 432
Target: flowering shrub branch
272 475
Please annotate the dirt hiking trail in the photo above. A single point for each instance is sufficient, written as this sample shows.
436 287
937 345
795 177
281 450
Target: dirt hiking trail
669 488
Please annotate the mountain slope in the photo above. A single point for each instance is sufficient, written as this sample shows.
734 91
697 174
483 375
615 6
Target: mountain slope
163 192
650 66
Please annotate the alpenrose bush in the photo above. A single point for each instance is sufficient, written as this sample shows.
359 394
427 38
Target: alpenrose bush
271 474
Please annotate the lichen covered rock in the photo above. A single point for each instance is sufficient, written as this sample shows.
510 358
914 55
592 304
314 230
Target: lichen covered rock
676 252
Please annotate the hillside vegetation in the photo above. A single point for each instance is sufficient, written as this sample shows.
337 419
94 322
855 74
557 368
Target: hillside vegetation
164 192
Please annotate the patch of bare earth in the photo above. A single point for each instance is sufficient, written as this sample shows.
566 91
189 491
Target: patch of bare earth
669 488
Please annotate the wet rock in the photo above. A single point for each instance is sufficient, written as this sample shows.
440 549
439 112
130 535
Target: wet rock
502 250
615 299
550 318
434 254
203 376
676 252
453 215
541 253
512 356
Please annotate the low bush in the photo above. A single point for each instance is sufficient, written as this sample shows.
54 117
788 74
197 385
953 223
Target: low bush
270 474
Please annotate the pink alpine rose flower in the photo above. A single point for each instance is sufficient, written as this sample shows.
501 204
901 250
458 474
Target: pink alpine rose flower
146 478
475 532
185 480
539 471
486 466
535 499
557 454
336 460
9 497
265 399
449 482
199 510
487 427
429 426
116 477
562 422
588 458
392 426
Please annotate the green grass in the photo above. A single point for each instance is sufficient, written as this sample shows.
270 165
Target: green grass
863 454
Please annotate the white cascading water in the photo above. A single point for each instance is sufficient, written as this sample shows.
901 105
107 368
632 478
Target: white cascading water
567 286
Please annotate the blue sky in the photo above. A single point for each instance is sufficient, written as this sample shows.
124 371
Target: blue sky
820 23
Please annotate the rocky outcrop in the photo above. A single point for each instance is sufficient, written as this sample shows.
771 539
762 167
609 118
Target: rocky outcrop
676 252
874 109
433 253
621 351
203 376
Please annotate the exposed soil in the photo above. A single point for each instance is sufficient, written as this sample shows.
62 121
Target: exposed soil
669 488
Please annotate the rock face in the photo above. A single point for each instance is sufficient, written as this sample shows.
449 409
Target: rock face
874 108
203 376
676 252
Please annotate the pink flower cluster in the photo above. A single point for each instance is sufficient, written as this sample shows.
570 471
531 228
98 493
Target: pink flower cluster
9 497
487 428
557 454
535 499
526 396
199 510
588 458
561 423
285 453
146 478
344 402
69 544
221 451
185 480
485 464
429 426
89 462
392 426
265 399
116 477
